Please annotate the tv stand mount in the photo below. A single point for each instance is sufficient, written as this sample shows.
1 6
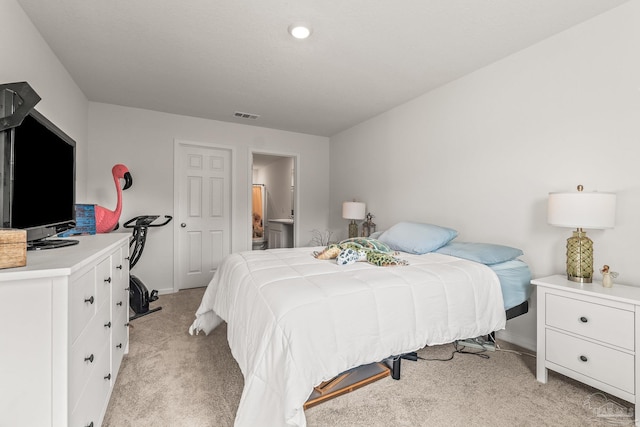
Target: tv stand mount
22 98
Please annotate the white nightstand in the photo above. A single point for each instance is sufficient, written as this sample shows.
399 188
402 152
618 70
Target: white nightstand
589 333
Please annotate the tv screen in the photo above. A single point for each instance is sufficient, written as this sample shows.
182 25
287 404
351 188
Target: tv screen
42 193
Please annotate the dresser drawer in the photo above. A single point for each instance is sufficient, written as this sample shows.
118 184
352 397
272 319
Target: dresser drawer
83 302
89 346
610 325
92 403
103 280
604 364
119 339
120 300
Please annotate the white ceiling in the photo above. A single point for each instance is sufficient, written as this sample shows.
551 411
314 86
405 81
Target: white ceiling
211 58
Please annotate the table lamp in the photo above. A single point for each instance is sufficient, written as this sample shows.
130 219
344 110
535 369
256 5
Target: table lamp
353 211
580 210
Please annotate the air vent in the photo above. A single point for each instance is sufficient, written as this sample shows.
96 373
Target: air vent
249 116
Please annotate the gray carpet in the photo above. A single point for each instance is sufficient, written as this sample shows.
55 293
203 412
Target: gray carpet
170 378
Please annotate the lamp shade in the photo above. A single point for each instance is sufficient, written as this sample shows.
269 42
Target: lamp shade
582 210
353 210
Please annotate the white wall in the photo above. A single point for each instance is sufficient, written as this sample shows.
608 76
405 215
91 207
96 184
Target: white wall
27 57
144 141
482 153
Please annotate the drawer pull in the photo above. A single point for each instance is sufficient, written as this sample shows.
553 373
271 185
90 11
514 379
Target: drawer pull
90 424
119 345
89 300
583 358
89 359
107 325
108 377
119 267
119 303
584 319
108 280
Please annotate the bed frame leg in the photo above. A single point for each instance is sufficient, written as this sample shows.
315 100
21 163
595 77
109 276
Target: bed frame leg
396 362
395 369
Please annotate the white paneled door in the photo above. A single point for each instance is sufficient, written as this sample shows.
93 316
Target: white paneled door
203 208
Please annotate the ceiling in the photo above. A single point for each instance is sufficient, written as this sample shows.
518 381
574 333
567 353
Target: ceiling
210 59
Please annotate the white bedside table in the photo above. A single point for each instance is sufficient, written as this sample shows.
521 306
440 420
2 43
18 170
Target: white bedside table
589 333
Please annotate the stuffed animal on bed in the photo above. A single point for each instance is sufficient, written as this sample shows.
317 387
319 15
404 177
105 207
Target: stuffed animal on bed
356 249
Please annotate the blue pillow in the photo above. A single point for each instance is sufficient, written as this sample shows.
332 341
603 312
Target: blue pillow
375 234
417 238
485 253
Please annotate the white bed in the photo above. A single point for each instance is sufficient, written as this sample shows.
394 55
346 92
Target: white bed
294 321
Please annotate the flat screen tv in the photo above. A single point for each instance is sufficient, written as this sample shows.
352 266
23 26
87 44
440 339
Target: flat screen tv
38 188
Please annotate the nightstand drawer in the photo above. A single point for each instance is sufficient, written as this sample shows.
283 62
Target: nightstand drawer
596 321
604 364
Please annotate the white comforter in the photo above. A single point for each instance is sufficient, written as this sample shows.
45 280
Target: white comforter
294 321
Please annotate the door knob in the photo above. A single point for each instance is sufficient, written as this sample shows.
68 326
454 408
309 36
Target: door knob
183 225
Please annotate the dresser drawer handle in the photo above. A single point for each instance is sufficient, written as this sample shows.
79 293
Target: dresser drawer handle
119 267
584 319
89 359
119 345
583 358
89 300
108 280
107 325
119 303
90 424
108 377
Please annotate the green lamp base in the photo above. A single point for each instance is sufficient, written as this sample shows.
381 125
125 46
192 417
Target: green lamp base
580 257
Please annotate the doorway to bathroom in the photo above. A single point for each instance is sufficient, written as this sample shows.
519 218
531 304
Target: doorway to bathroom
273 201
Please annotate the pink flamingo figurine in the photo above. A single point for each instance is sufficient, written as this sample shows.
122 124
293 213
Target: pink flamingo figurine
107 220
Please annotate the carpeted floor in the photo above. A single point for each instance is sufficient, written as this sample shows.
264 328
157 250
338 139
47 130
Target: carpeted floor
170 378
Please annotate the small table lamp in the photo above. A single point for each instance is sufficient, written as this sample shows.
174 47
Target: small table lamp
581 210
353 211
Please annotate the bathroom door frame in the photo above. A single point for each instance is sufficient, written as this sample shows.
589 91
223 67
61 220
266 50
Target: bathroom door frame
296 192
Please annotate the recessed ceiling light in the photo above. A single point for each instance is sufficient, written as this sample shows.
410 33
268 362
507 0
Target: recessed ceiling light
300 31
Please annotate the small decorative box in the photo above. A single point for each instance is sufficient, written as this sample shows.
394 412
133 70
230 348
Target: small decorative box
13 248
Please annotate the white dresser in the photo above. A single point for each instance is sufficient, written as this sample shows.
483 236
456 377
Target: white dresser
589 333
63 332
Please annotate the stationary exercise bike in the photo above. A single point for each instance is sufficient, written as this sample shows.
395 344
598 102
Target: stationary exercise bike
139 296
